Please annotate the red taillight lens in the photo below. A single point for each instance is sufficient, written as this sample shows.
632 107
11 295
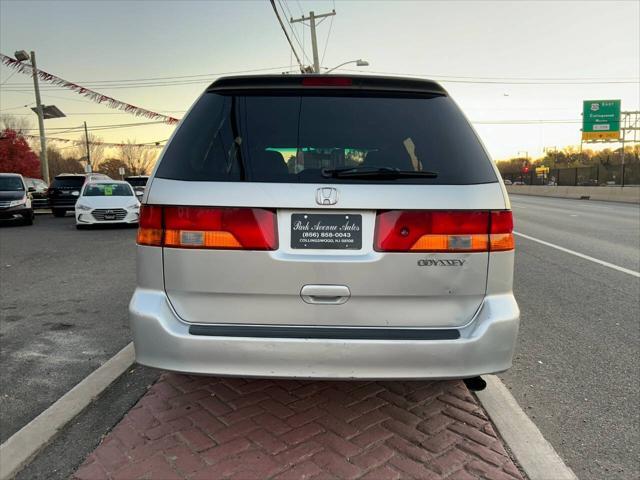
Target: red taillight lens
204 227
442 231
150 226
326 81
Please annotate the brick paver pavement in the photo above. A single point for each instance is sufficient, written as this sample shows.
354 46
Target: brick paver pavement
197 428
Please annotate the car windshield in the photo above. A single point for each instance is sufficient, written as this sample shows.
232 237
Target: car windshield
108 190
11 184
68 182
294 138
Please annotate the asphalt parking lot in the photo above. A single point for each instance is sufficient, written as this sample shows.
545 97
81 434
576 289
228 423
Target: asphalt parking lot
64 302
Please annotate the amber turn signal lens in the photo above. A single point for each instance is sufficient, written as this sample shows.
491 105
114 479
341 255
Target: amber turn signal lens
150 236
501 242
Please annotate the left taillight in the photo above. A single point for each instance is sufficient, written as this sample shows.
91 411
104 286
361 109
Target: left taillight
208 227
443 231
150 226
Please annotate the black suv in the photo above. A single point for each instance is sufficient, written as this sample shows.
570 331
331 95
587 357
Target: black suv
65 190
138 182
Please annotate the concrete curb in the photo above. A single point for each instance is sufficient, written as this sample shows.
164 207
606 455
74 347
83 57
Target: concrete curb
535 455
25 444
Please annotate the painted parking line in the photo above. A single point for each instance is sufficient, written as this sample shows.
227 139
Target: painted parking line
581 255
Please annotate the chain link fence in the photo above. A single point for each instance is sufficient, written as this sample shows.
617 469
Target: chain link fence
597 175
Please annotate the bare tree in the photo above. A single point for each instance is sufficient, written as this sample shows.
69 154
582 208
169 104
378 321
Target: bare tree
19 124
139 159
96 149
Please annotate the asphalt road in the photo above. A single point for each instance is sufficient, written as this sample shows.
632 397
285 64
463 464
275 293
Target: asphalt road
63 310
577 370
64 296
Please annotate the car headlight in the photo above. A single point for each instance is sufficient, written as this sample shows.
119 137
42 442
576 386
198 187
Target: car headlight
15 203
134 206
82 207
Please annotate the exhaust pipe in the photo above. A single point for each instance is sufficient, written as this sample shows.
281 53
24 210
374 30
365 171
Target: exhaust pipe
475 384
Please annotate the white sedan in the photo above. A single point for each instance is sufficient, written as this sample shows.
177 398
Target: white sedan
107 202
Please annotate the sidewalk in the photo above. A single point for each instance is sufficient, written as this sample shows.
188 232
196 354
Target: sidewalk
199 428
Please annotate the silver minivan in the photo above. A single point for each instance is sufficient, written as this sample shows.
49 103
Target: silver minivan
325 226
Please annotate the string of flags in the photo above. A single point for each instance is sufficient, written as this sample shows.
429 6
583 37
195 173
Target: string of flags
87 92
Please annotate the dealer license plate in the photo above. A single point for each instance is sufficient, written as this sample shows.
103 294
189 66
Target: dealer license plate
326 231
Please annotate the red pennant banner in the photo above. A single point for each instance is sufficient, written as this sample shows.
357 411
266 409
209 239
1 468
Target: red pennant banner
86 92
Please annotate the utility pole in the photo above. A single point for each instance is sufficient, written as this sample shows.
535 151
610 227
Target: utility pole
44 163
314 41
86 138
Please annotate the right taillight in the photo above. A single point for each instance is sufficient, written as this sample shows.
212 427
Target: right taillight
208 227
501 233
443 231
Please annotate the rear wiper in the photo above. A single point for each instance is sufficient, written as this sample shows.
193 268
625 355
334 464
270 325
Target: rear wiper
375 173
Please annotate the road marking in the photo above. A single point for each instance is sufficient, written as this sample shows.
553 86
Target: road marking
535 455
25 444
581 255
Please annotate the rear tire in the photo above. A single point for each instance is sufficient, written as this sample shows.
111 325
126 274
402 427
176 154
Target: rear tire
57 212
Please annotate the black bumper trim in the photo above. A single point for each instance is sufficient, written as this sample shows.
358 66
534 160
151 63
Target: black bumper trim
330 333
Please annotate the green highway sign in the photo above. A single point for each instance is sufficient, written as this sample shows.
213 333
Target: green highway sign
601 120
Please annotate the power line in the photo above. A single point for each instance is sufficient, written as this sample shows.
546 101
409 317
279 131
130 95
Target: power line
109 86
151 79
326 43
99 127
497 82
284 30
17 107
7 79
283 5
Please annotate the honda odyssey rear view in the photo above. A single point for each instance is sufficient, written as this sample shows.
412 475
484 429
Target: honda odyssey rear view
325 227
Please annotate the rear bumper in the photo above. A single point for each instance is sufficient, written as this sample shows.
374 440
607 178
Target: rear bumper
163 341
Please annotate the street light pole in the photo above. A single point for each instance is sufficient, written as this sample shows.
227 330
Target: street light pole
44 163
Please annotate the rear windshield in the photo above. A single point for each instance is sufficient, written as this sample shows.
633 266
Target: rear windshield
107 190
11 184
62 182
293 138
136 182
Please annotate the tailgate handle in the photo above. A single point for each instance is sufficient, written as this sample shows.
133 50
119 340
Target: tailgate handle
325 294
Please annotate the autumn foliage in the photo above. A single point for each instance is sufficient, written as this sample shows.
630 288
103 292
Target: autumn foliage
16 156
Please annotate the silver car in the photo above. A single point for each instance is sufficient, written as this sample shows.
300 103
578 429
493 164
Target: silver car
324 226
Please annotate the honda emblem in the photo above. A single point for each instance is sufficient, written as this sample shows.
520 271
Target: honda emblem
327 196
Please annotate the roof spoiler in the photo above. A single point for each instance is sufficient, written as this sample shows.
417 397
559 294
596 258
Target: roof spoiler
328 82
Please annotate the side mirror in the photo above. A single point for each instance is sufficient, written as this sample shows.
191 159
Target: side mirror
31 189
139 193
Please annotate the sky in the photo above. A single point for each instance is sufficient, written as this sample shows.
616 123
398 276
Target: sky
567 51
